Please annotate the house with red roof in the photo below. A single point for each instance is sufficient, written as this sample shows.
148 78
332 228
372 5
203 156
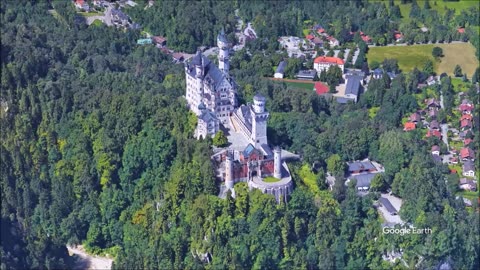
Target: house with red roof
321 31
467 117
320 88
466 142
323 63
465 124
467 154
466 107
434 133
409 126
309 37
82 5
366 39
397 36
461 30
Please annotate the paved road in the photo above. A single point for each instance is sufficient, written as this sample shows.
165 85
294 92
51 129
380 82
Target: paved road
106 18
444 127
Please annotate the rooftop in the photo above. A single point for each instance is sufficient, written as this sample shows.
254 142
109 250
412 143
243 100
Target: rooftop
331 60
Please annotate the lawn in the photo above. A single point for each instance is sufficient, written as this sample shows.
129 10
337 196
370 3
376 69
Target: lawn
471 195
460 86
301 85
90 14
412 56
270 179
97 22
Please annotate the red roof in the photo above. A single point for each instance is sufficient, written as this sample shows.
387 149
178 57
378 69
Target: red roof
467 141
79 2
453 171
461 30
409 126
465 123
466 107
435 133
330 60
466 153
398 36
467 117
310 37
320 88
366 38
321 30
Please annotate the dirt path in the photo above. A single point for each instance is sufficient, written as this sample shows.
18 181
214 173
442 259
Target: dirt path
87 261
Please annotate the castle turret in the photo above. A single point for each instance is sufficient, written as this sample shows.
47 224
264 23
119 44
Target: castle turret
223 58
277 162
229 171
259 121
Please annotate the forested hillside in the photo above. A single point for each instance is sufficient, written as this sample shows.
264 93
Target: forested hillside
97 149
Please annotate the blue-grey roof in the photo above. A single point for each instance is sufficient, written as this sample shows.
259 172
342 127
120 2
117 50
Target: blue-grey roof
208 116
437 158
306 73
221 36
266 149
248 150
468 166
202 106
391 75
388 205
360 166
212 74
343 100
243 112
378 71
120 14
353 85
364 180
259 97
281 67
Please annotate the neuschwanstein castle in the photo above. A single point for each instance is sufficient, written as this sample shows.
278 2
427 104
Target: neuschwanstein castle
212 95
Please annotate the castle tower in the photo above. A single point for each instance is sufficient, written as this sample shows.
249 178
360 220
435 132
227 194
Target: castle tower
259 121
277 162
222 43
229 171
199 72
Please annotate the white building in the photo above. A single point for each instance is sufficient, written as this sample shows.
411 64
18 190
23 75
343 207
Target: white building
280 70
323 63
211 85
251 120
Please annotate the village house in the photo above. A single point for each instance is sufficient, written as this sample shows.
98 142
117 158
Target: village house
415 118
82 5
467 154
465 124
466 107
433 114
434 125
318 42
434 133
323 63
159 41
453 160
468 169
377 73
333 41
435 150
353 85
280 70
358 167
466 142
431 80
397 36
467 117
432 104
467 184
408 126
437 159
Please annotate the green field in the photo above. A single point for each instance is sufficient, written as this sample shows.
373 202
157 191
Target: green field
412 56
300 85
438 5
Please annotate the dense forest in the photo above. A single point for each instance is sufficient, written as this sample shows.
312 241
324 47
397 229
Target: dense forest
97 149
